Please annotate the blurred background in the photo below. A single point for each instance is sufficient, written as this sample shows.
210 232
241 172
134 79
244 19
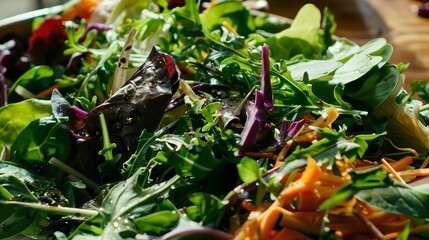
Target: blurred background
358 20
10 8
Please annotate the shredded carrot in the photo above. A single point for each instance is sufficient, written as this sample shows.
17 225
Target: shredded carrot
414 172
392 171
412 151
230 28
248 206
48 91
332 115
416 229
282 154
312 172
402 163
203 56
212 3
82 9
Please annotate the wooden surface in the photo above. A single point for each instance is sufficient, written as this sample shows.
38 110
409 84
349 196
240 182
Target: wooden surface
362 20
408 33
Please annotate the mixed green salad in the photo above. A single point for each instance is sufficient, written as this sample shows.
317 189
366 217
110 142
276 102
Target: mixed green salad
124 119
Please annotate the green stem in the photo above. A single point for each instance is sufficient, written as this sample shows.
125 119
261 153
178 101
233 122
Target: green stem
67 169
65 211
107 146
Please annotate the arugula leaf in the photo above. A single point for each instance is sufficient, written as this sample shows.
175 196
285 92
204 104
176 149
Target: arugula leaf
125 202
190 155
332 145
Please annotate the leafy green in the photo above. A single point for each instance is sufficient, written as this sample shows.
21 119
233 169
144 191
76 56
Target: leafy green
158 222
15 117
302 37
34 81
404 127
207 208
232 12
23 202
190 155
377 189
332 145
248 169
125 202
38 142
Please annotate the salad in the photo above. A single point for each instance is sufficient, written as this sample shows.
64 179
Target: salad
159 119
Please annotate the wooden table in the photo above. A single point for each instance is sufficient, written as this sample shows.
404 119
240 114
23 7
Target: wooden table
408 33
362 20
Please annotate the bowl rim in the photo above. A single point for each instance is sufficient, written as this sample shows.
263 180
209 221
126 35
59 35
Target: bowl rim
30 15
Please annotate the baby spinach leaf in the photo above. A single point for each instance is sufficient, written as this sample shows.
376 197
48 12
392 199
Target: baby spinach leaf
15 117
14 219
342 49
396 198
314 68
302 36
354 68
376 88
34 80
38 142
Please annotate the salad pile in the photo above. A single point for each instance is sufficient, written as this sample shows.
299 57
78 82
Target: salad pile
125 119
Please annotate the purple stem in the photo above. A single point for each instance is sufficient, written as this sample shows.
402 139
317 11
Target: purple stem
294 128
255 122
99 27
81 114
266 79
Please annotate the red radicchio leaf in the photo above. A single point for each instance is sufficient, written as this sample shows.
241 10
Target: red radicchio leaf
139 104
47 43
